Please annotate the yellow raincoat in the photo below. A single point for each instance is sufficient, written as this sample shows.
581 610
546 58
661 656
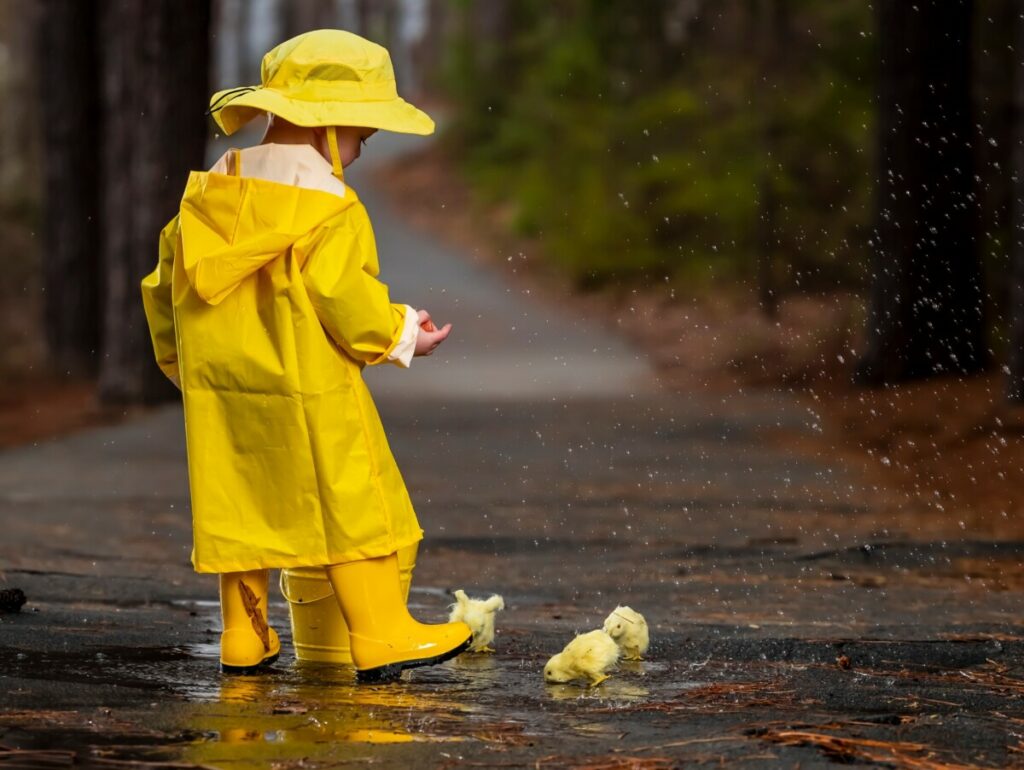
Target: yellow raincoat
266 305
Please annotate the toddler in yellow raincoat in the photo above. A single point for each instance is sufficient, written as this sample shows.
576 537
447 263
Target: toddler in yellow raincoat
264 307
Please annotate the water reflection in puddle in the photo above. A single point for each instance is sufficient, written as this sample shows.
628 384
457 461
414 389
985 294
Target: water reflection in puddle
314 715
314 710
304 711
612 689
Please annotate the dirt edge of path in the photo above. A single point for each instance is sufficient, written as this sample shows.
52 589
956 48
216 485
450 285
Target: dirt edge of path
42 407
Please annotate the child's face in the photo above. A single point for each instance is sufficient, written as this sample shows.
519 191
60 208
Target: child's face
350 141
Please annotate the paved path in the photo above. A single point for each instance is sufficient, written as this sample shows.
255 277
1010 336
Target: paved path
505 344
569 483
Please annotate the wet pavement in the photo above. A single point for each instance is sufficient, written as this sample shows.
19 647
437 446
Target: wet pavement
798 618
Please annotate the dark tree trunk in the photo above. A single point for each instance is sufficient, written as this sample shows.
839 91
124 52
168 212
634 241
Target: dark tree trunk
376 20
427 53
70 114
1015 381
155 83
298 16
927 308
492 21
247 73
773 21
364 10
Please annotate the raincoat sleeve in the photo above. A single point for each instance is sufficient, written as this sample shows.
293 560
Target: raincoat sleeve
156 299
340 273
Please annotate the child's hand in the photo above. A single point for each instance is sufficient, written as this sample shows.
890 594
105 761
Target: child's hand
430 336
425 323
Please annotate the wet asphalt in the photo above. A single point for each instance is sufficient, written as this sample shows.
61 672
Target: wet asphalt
798 619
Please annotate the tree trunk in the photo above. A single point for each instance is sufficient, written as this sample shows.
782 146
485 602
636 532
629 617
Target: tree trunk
773 22
298 16
427 53
1015 362
927 309
364 10
68 63
155 83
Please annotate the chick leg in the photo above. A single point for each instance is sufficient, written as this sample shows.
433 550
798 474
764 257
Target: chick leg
486 648
596 680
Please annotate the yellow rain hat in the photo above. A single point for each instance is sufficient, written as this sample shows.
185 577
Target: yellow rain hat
327 77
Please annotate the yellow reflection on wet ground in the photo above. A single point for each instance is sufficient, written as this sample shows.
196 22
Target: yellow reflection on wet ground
313 713
612 689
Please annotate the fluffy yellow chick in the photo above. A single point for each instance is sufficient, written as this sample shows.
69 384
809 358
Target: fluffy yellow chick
588 656
629 630
478 614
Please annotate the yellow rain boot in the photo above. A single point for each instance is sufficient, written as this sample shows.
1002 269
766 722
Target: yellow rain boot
248 641
318 628
385 638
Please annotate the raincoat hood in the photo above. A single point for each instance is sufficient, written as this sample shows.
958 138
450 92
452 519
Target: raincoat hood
231 226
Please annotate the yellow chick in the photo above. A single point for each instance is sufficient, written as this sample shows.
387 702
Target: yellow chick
478 614
588 656
629 630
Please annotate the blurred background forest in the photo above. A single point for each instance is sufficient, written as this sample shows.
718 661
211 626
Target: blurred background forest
822 195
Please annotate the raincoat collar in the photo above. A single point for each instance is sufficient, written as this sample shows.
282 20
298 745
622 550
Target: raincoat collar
232 225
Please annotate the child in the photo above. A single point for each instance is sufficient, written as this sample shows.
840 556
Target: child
264 308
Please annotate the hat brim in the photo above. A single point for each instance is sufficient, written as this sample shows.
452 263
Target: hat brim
388 115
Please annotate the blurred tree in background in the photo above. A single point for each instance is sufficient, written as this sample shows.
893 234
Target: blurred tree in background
927 301
155 88
21 347
773 147
1015 367
69 72
123 88
297 16
678 138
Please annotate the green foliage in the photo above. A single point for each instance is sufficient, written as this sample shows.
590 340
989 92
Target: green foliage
638 144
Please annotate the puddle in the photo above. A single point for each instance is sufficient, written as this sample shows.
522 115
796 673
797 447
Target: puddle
308 711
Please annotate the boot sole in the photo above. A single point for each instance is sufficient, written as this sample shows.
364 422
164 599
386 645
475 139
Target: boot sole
393 671
246 670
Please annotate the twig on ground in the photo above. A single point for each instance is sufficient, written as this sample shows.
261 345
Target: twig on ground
902 754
